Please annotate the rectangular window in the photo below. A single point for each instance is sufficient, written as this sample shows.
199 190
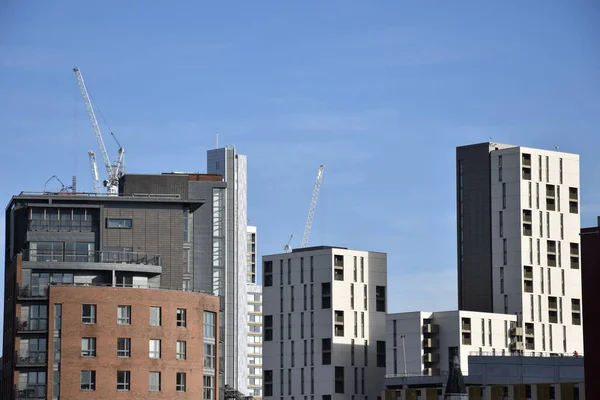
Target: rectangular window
532 301
352 296
355 269
548 224
542 279
312 297
268 268
326 295
88 347
560 170
289 271
281 298
312 352
537 195
119 223
154 348
305 353
352 352
540 308
154 382
180 382
547 169
540 167
366 298
289 326
339 379
530 195
501 218
381 353
326 351
301 269
312 325
312 268
362 270
301 325
490 332
123 347
539 256
541 224
292 299
292 352
380 298
302 381
505 304
504 252
557 198
88 380
268 326
501 280
289 381
209 355
209 324
124 315
562 281
268 382
155 316
181 317
180 350
362 324
500 168
123 380
88 314
355 323
339 323
304 302
366 356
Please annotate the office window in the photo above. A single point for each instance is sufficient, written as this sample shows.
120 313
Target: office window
339 323
366 298
362 324
289 382
88 314
268 382
355 269
312 268
289 271
560 170
155 316
501 280
503 195
339 379
504 252
154 348
292 299
352 295
180 347
366 350
380 298
154 382
123 380
119 223
312 297
301 269
268 324
326 295
501 219
180 382
362 270
209 324
305 353
88 347
281 352
537 196
181 317
540 167
123 347
88 380
352 352
281 298
304 301
312 324
547 169
500 168
301 325
326 351
293 352
289 326
124 315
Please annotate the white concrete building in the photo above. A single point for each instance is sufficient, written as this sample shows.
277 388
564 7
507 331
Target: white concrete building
424 343
324 324
251 254
523 204
255 339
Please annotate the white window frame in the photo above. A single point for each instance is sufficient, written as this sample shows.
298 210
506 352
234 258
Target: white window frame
208 387
124 315
126 353
209 355
154 350
180 382
91 318
125 385
87 385
181 349
88 347
155 320
181 317
154 386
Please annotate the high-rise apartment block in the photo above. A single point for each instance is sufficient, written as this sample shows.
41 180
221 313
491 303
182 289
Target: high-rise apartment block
324 323
255 340
518 241
93 299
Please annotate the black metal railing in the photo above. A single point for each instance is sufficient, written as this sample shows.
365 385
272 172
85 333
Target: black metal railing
30 392
30 358
34 325
57 225
107 256
31 292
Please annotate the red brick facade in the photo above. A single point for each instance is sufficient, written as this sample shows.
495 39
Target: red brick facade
106 363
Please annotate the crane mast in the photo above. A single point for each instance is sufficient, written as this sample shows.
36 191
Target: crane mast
94 169
114 171
313 206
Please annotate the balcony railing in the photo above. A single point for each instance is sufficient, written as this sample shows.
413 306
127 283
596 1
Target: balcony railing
34 325
31 292
33 359
55 225
30 392
106 256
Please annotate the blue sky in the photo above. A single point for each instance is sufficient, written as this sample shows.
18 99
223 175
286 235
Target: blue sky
380 92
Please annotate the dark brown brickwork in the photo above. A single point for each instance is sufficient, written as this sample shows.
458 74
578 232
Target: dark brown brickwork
106 331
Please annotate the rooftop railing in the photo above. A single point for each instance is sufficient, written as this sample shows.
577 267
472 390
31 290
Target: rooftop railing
93 194
523 354
105 256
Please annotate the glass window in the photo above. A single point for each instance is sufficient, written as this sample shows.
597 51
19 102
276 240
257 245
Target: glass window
88 380
209 355
181 314
122 223
124 315
208 383
88 314
180 386
88 347
154 348
123 347
154 382
181 350
155 315
209 324
123 380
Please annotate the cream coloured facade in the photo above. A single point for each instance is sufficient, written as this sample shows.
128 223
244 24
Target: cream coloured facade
255 338
324 324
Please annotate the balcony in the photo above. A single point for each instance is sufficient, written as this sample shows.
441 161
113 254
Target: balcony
431 343
430 328
68 256
32 293
54 225
30 392
431 358
31 359
32 326
516 331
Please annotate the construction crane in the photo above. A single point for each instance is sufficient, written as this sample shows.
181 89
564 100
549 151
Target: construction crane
313 206
63 188
114 170
94 168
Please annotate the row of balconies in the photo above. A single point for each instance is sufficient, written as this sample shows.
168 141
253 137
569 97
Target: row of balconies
92 256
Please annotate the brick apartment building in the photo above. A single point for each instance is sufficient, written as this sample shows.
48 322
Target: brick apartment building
94 300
